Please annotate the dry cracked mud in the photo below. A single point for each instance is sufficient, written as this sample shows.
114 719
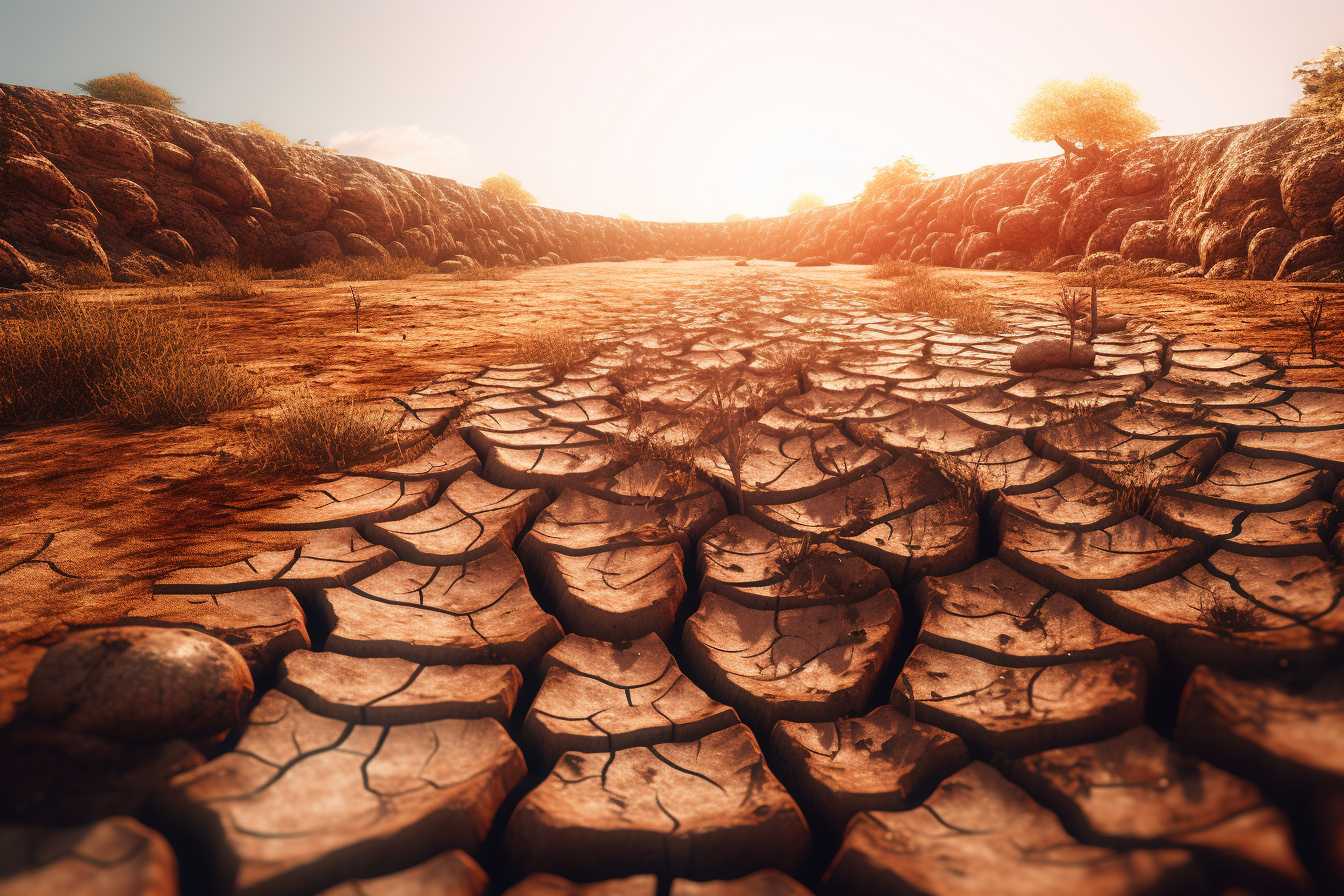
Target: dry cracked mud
910 621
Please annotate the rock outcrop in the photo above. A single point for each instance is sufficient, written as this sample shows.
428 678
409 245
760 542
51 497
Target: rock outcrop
138 190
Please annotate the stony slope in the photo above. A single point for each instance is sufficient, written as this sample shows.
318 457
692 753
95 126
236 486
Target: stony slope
139 189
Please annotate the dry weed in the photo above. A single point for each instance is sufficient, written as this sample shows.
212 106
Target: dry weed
65 358
560 351
310 432
1138 484
1112 276
916 289
330 270
1228 617
479 272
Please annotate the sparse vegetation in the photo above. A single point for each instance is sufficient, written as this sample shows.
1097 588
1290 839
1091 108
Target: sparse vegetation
1071 306
84 275
962 474
1092 118
806 201
130 89
625 216
1138 484
916 289
903 171
1322 79
309 432
253 127
65 358
482 272
1229 617
1112 276
734 218
560 350
330 270
507 187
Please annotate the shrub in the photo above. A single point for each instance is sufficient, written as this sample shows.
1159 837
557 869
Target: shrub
915 289
63 358
560 351
625 216
903 171
734 218
480 272
1112 276
130 89
310 432
806 201
330 270
506 187
85 275
263 131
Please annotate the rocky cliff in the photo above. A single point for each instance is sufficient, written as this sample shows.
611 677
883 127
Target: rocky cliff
140 190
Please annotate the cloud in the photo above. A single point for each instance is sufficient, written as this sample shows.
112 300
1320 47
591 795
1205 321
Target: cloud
409 146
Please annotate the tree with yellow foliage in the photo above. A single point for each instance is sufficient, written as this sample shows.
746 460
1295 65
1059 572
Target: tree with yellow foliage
254 127
1322 85
904 170
626 216
1091 119
806 201
734 218
130 89
506 187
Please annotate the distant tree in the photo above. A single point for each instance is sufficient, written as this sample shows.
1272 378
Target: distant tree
263 131
1091 119
806 201
734 218
904 170
506 187
625 216
130 89
316 145
1322 85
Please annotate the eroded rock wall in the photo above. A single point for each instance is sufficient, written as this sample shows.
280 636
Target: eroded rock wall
140 190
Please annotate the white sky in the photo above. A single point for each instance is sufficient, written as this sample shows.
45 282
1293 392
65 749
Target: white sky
672 111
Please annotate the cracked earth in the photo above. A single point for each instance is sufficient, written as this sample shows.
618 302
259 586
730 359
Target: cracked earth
931 626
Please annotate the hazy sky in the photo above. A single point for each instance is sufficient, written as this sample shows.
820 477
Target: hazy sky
672 111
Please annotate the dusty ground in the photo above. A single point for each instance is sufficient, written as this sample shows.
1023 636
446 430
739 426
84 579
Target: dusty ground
117 508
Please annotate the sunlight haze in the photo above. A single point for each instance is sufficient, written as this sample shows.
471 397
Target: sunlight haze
687 111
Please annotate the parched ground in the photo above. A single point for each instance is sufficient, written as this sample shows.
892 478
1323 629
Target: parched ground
934 560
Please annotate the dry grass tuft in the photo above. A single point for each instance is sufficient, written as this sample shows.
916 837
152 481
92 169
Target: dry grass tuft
1138 484
478 272
1112 276
916 289
962 475
308 432
63 358
560 351
217 278
1228 618
329 270
85 275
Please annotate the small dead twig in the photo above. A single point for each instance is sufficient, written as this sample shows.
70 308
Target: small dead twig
1312 313
354 297
1070 306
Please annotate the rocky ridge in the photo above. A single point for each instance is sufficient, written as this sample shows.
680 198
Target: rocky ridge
138 191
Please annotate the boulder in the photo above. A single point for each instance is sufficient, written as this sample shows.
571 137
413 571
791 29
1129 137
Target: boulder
169 243
1144 239
861 258
1311 252
126 201
41 177
14 267
1003 261
141 683
362 247
115 143
814 261
76 241
173 156
1267 251
315 246
1050 354
222 172
1337 216
1229 269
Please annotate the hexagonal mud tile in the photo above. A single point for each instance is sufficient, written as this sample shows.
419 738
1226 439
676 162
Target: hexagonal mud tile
930 428
998 616
899 488
782 468
390 691
118 856
471 519
450 874
1318 449
706 809
332 558
884 760
478 612
599 697
1263 484
752 566
1304 411
579 523
813 664
625 593
1012 711
1077 503
1011 468
304 802
1239 613
938 539
1138 790
550 468
1129 554
1283 736
446 460
1108 455
349 501
763 883
978 833
1278 533
553 885
263 625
